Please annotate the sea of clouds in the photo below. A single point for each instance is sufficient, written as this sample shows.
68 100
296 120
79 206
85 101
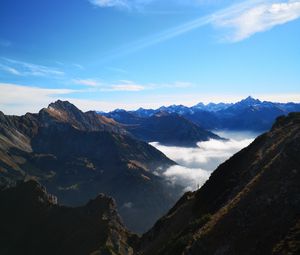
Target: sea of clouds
196 164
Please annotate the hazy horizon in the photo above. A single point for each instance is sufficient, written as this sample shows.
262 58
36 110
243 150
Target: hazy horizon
14 108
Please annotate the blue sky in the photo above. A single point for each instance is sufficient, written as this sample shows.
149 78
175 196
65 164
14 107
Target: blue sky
107 54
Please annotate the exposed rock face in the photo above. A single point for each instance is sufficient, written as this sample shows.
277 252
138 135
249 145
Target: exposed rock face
250 204
77 155
32 224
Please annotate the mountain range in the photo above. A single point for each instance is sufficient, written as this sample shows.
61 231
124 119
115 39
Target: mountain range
78 155
249 205
248 114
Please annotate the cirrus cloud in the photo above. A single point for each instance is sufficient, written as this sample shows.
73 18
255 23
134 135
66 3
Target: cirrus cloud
258 18
22 68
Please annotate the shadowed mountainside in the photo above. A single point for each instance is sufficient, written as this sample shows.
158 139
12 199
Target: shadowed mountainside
250 204
163 127
32 223
76 155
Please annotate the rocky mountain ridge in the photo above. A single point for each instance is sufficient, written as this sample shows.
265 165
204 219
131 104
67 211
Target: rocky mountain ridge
76 155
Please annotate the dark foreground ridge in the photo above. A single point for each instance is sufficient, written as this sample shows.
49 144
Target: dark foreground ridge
250 205
32 223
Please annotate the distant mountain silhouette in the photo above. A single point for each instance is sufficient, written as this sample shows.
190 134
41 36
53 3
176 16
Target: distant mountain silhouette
163 127
248 114
76 155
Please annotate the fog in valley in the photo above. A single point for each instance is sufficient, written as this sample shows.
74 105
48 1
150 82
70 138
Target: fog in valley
196 164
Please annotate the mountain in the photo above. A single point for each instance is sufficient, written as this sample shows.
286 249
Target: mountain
33 223
252 114
211 107
77 155
249 205
163 127
248 114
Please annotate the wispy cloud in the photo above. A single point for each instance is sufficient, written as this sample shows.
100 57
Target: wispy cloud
22 68
139 4
127 85
112 3
9 69
87 82
243 19
122 85
18 99
258 18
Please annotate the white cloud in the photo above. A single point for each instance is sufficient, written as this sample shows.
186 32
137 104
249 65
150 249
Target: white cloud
10 70
138 4
189 178
87 82
18 99
22 68
196 164
122 85
110 3
258 18
244 18
127 86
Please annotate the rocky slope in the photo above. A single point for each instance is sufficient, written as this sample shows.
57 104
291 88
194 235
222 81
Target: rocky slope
76 155
250 204
32 223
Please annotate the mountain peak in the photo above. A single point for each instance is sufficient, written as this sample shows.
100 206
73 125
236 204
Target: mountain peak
63 105
250 100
